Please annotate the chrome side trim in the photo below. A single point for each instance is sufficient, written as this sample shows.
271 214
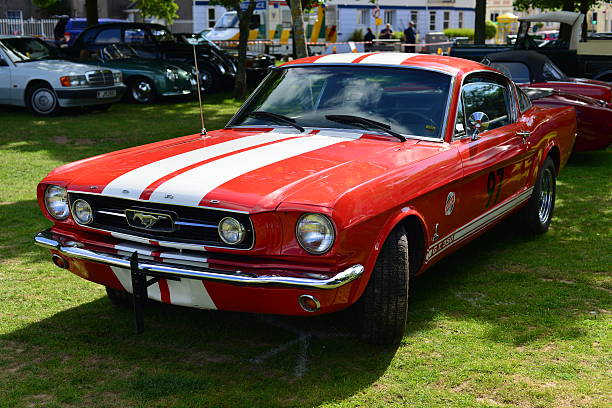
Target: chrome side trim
45 239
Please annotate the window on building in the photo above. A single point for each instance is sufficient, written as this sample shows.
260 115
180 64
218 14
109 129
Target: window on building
389 17
446 20
14 14
414 15
460 20
363 17
211 17
432 21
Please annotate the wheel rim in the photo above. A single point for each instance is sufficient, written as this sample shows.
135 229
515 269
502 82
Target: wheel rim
141 91
546 196
205 80
43 100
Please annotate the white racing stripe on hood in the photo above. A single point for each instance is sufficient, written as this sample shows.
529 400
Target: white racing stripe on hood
393 58
137 180
337 58
192 186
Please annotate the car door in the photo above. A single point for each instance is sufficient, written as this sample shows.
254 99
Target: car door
5 78
495 157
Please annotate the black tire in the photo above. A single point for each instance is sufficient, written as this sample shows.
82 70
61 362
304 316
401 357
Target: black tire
41 100
119 297
385 301
142 90
209 81
535 217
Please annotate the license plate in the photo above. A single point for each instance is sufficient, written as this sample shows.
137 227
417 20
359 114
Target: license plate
107 94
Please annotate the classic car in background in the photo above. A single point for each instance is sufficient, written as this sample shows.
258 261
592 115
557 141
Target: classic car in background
72 27
533 69
594 117
258 64
33 74
340 178
147 79
156 41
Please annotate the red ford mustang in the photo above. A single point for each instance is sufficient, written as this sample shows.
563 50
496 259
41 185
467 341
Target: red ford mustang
340 178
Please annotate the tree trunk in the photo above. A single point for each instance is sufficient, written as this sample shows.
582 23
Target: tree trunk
244 17
91 8
584 9
299 38
479 21
565 30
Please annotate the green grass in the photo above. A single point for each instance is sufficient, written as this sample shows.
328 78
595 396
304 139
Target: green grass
506 321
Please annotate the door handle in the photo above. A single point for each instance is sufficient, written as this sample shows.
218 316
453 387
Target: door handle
524 135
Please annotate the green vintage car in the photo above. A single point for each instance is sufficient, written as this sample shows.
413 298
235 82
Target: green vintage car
147 79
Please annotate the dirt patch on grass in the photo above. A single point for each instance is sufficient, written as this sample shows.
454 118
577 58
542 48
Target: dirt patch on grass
63 140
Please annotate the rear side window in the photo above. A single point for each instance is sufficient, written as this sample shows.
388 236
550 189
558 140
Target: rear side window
135 36
109 36
517 71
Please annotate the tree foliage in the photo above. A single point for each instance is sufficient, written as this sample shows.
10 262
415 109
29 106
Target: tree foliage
567 5
162 9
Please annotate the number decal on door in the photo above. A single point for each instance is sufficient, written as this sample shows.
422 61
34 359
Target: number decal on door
494 186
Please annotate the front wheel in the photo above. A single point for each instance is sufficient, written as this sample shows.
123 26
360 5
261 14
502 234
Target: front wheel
385 301
41 100
142 90
538 212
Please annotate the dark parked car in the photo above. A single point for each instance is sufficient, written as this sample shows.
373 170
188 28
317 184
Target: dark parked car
258 64
147 79
156 41
70 28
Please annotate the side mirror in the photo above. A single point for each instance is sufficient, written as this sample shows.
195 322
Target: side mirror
3 63
477 122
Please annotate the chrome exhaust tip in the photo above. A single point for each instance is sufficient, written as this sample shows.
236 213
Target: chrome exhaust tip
59 261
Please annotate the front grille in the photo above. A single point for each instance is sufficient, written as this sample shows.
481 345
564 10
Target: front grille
100 78
192 225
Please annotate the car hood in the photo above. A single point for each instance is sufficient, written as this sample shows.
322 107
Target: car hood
62 67
242 170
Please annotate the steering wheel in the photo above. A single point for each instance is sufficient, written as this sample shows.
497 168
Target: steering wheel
402 116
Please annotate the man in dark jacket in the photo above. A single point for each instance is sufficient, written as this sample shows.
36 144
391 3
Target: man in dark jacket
386 33
410 37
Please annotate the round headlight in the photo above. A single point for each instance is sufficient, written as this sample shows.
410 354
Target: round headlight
56 201
315 233
82 212
231 231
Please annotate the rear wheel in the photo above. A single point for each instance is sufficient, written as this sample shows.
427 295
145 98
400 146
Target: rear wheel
41 100
538 212
385 301
119 297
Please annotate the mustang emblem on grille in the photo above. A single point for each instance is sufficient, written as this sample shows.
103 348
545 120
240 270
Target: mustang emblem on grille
149 220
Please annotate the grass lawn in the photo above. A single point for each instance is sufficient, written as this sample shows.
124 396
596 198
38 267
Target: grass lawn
506 321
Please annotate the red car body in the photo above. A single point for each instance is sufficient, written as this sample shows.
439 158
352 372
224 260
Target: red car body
594 117
446 192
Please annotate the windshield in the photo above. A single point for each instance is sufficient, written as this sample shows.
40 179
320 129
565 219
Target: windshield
162 34
228 20
412 102
28 49
118 52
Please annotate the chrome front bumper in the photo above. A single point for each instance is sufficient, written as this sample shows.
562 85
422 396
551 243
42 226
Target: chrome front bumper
76 250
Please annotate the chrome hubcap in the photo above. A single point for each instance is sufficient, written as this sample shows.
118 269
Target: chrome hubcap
142 91
43 100
546 196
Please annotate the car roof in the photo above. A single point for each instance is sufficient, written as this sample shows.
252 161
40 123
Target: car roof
449 65
126 24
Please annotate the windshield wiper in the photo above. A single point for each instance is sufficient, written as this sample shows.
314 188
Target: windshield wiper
276 118
358 120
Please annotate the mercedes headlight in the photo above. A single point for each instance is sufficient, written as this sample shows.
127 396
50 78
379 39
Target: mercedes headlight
82 212
56 201
73 80
231 231
118 78
315 233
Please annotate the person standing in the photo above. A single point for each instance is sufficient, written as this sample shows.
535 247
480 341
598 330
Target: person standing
368 38
410 37
386 33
